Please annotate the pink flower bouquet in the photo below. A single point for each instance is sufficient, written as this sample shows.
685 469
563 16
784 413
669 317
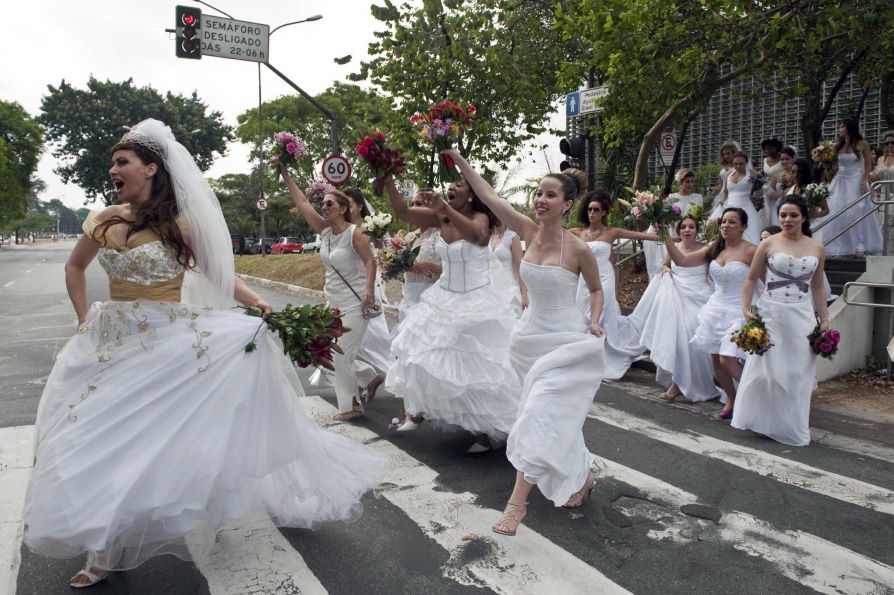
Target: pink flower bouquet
824 343
650 207
288 148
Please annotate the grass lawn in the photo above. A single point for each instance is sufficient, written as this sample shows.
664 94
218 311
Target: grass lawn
305 270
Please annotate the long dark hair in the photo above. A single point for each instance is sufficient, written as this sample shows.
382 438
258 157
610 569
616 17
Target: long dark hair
720 245
798 201
805 172
158 214
600 196
853 135
480 207
356 195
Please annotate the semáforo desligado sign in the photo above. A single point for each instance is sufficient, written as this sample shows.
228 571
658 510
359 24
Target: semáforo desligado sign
237 40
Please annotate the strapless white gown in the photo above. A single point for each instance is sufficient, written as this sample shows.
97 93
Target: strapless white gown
722 315
843 190
560 364
451 352
502 273
739 195
774 394
622 345
669 312
156 429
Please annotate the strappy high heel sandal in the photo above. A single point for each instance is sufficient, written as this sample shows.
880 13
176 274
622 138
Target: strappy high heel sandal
87 573
511 519
577 498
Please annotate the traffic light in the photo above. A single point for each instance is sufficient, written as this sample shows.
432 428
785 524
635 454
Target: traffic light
189 32
574 149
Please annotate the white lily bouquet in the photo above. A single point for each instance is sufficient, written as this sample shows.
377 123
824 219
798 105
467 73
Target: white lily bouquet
376 225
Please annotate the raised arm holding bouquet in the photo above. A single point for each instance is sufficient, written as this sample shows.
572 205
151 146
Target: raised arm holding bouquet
442 126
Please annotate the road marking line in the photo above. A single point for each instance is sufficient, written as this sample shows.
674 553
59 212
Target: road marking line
765 464
41 328
47 340
16 457
8 283
804 558
526 563
28 271
258 560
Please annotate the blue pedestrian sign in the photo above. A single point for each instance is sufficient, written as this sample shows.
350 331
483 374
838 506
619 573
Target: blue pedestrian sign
572 104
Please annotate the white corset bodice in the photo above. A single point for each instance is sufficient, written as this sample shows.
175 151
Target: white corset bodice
729 282
696 271
146 264
549 287
465 265
739 193
788 278
849 165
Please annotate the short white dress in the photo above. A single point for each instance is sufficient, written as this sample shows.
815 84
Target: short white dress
722 315
451 353
774 394
622 344
560 364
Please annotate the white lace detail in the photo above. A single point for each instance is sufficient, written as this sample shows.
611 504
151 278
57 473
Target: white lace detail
146 264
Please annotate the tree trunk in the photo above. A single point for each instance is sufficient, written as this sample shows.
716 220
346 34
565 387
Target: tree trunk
886 98
816 113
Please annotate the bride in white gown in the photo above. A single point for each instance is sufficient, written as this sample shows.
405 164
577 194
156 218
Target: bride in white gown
622 337
156 428
736 193
852 181
451 353
505 260
554 349
667 316
774 393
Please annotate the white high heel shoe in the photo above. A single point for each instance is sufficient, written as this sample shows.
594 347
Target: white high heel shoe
92 578
408 426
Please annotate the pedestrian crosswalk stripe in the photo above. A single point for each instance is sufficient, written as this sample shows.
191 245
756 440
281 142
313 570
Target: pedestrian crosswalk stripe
805 558
528 562
16 457
833 485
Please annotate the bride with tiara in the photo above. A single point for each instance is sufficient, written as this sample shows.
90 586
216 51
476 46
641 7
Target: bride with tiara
156 427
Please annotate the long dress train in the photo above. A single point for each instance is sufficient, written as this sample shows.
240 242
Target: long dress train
622 345
774 394
561 365
452 349
156 428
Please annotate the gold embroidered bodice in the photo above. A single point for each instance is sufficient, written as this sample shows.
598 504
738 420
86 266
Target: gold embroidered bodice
145 268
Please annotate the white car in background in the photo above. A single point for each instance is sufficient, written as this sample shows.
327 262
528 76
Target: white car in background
311 245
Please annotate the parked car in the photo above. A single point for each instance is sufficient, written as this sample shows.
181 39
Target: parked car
287 246
262 246
312 246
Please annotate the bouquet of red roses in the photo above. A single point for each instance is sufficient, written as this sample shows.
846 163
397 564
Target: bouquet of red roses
441 126
308 333
382 160
288 148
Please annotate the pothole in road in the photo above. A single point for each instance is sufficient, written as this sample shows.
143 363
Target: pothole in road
666 524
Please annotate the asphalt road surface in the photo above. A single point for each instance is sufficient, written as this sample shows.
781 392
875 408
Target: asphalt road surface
682 504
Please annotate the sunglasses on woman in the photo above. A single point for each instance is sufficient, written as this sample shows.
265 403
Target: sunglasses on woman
328 203
594 209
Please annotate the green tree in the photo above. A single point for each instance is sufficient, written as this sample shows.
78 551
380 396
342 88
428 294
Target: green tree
21 143
662 61
83 124
237 194
359 111
500 55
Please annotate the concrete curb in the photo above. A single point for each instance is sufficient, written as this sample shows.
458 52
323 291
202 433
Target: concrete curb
297 290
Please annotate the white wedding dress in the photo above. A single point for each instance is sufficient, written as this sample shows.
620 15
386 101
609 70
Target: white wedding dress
415 283
739 195
622 345
452 349
722 315
502 272
774 394
865 236
560 364
668 312
156 428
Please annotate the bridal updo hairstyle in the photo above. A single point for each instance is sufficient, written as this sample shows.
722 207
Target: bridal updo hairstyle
158 214
574 182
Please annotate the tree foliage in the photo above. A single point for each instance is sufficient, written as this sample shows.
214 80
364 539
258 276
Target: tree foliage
21 144
237 194
83 124
500 55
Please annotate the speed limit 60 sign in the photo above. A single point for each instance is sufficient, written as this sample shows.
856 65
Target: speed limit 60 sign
336 170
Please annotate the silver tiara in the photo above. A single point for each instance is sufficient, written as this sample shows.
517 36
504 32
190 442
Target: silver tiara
144 141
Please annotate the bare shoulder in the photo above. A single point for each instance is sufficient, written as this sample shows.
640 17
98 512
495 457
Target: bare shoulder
112 211
578 247
576 231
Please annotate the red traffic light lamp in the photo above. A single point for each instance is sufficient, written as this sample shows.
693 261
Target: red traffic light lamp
189 32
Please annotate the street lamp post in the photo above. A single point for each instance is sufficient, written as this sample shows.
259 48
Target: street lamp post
315 17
